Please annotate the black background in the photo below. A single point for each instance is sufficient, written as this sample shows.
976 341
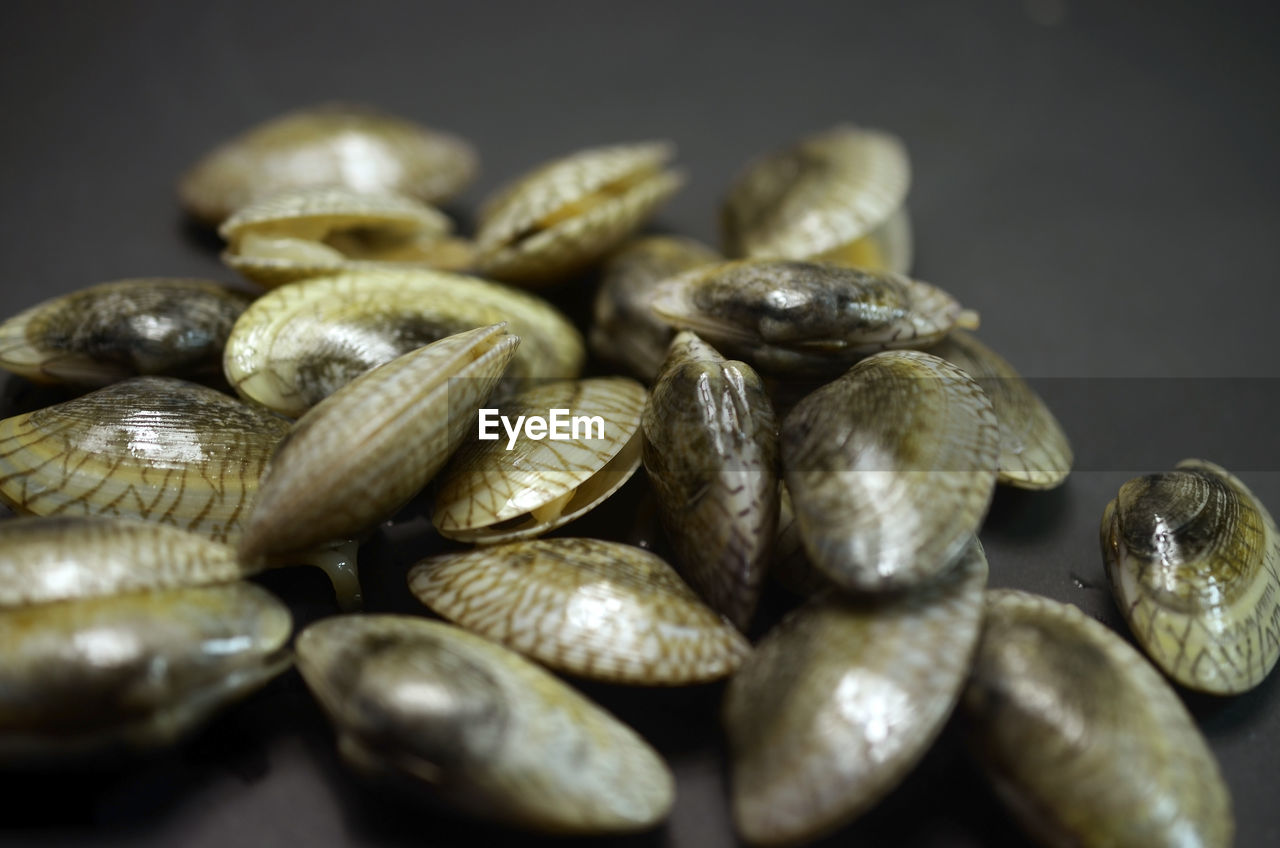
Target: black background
1098 179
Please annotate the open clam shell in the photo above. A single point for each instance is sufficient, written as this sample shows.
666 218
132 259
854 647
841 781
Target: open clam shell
308 232
153 448
121 329
520 485
135 670
361 453
840 701
1194 562
792 317
566 214
1082 738
490 731
585 606
711 452
830 195
891 469
298 344
331 145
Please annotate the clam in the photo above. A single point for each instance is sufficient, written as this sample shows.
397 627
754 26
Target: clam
506 484
711 452
836 196
153 448
332 145
841 699
1083 739
298 344
1034 452
624 329
69 557
308 232
1194 562
790 567
891 469
561 217
805 317
362 452
132 671
585 606
491 732
116 330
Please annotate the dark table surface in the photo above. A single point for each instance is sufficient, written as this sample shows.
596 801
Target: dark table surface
1099 182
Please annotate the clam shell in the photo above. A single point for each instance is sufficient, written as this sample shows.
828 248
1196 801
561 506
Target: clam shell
502 490
305 233
300 343
331 145
711 451
153 448
624 329
820 195
1034 452
585 606
1081 737
839 702
889 247
1194 562
790 567
561 217
489 730
805 317
891 469
137 670
362 452
116 330
70 557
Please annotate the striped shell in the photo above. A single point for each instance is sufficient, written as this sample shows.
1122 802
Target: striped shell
331 145
117 330
153 448
488 730
891 469
1194 563
516 487
1083 739
599 609
838 703
561 217
298 344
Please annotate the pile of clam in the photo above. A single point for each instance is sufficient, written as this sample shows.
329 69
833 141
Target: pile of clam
846 455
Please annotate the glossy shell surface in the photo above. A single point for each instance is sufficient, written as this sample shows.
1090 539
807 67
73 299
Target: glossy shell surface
598 609
491 731
1194 563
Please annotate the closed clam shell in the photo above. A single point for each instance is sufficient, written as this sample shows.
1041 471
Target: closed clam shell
623 328
711 452
566 214
69 557
1194 563
331 145
891 469
362 452
153 448
492 732
599 609
299 344
1082 738
826 196
116 330
308 232
838 703
516 487
1034 452
135 670
790 567
805 317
